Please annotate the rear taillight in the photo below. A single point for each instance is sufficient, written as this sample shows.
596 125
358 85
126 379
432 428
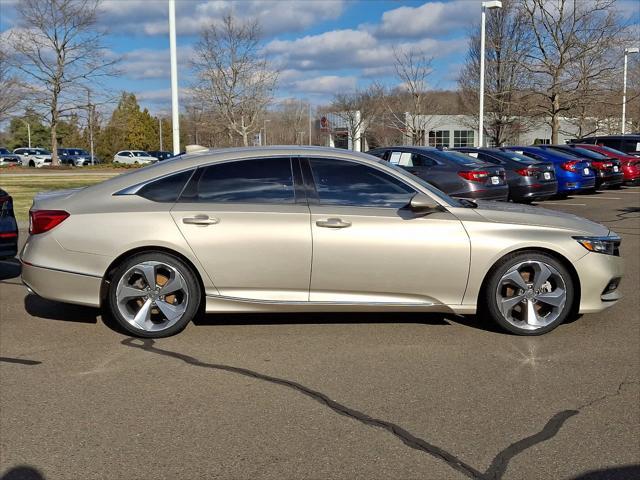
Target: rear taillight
570 166
600 165
527 172
41 221
474 175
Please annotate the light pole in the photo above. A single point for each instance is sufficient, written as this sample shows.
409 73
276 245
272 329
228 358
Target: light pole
90 121
264 140
175 117
160 128
624 85
490 5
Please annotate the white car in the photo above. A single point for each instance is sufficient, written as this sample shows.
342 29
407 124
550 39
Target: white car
33 157
134 157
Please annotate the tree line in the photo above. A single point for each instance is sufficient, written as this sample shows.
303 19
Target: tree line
545 60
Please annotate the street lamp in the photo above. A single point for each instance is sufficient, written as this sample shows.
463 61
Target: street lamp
175 109
624 85
490 5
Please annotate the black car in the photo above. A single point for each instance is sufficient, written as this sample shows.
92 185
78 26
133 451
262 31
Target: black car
76 157
629 144
528 179
8 158
161 154
8 227
455 173
608 170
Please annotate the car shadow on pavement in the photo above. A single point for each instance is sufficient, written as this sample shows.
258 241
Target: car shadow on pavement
625 472
22 472
50 310
9 269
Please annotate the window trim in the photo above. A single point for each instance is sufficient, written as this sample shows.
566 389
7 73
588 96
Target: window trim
314 197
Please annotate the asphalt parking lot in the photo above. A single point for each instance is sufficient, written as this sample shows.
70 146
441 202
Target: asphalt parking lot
331 396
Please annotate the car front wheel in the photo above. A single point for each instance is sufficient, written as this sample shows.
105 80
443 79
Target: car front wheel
153 295
529 293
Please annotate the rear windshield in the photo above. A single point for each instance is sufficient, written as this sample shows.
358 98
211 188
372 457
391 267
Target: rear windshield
456 157
583 152
516 157
612 150
4 150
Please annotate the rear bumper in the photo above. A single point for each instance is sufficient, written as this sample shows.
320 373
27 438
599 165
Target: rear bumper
62 286
499 193
533 191
609 180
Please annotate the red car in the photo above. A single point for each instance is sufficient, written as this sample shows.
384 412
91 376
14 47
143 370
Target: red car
630 163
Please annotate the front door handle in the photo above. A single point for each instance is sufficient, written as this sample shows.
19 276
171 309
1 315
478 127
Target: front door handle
333 223
200 220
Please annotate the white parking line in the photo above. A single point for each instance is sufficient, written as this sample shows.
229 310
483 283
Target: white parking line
603 198
542 204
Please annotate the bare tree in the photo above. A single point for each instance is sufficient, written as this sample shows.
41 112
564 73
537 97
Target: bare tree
409 105
59 48
508 42
234 78
566 34
10 86
359 110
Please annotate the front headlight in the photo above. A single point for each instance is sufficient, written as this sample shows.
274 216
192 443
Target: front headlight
608 245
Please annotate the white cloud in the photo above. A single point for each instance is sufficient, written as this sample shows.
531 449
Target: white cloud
328 84
150 17
430 19
146 63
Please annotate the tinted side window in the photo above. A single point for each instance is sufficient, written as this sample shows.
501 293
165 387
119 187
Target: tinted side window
166 189
341 182
263 180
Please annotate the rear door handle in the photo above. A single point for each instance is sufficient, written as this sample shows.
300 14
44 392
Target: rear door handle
333 223
200 220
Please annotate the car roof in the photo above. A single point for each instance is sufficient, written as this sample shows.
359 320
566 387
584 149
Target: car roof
408 148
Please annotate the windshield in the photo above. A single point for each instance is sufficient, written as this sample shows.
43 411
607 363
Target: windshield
41 151
402 172
138 153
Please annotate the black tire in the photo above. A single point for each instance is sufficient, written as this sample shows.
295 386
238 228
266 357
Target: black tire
489 303
192 284
32 164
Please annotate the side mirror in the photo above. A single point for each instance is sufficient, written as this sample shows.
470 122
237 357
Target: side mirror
421 203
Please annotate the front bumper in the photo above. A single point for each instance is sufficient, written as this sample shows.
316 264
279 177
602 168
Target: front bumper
596 271
62 286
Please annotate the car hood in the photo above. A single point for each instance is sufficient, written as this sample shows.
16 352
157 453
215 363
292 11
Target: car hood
503 212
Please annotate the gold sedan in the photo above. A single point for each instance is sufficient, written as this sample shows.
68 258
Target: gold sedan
309 229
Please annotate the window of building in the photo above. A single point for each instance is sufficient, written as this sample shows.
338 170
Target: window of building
439 138
463 138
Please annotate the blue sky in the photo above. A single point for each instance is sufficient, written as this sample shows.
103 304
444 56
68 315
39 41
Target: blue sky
320 46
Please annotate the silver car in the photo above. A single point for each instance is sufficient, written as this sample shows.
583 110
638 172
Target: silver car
291 229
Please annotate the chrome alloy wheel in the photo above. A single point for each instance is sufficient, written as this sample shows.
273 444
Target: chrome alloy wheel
531 295
152 296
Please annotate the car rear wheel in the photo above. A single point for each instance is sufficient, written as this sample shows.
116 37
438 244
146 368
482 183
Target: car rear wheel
529 293
153 295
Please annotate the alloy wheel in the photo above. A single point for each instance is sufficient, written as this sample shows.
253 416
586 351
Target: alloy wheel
531 295
152 296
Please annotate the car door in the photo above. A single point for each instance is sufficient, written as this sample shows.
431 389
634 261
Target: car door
248 223
368 247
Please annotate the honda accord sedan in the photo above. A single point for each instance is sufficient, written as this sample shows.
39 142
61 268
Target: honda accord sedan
282 229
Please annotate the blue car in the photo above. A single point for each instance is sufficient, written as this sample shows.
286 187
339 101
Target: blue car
573 174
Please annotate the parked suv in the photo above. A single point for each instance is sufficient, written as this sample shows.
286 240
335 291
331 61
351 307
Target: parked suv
8 158
161 154
629 144
454 173
134 157
34 157
76 157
